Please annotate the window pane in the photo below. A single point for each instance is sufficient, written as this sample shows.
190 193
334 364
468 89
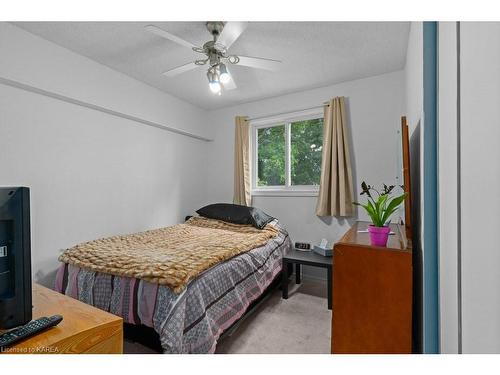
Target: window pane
271 156
307 144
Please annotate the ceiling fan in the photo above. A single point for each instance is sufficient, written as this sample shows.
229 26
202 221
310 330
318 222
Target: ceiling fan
217 58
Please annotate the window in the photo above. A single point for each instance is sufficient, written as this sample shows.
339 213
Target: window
287 154
306 145
271 156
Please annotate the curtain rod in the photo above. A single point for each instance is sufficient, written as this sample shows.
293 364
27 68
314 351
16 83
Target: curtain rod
286 113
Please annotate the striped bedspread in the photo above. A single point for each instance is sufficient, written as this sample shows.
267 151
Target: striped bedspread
192 321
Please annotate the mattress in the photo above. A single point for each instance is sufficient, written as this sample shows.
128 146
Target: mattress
192 321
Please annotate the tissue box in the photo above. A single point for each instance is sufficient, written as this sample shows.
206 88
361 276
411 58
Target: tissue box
322 251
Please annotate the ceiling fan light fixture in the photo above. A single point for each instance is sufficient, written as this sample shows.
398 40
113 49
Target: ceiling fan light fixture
224 74
213 82
215 87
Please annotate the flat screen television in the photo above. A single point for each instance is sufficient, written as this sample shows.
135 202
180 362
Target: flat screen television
15 257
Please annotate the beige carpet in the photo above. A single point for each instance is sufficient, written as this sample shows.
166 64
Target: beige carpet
300 324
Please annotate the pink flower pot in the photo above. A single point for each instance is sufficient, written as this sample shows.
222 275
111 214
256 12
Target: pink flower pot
379 235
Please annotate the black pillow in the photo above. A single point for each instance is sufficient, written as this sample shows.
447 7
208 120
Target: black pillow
236 214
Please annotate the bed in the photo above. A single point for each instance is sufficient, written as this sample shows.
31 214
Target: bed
188 318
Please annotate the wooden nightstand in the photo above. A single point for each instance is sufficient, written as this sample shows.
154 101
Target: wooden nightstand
84 329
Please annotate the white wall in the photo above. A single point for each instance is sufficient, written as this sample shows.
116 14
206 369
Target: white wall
479 205
480 136
448 180
414 75
31 60
375 106
92 174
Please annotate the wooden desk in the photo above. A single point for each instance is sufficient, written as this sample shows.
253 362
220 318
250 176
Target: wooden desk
84 329
372 294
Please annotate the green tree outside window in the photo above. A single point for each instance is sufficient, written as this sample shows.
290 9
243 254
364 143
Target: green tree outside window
306 147
306 143
271 160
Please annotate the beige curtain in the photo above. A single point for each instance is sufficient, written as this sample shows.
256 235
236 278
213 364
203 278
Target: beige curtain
335 191
242 185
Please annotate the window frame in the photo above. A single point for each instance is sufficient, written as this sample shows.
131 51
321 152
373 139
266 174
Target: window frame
282 120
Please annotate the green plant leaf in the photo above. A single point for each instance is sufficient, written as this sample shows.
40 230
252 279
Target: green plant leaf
369 209
393 206
374 214
381 202
380 208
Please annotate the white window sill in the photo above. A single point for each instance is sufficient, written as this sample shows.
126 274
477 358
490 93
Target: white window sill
285 193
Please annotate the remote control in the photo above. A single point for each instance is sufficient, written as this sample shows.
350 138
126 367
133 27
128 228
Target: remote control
20 333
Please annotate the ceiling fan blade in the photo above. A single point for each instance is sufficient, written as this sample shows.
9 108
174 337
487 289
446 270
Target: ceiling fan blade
165 34
181 69
231 32
231 85
259 63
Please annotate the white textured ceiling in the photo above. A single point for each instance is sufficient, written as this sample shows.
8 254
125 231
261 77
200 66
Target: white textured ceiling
314 54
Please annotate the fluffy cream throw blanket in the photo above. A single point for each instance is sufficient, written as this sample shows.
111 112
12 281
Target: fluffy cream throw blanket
169 256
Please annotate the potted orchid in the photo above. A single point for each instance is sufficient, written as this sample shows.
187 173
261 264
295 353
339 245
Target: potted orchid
380 206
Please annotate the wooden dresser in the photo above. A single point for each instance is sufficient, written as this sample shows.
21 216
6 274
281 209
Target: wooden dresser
372 294
84 329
